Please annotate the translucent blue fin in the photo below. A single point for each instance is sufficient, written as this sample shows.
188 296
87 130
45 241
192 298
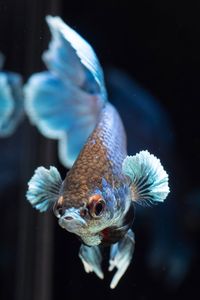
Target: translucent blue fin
62 112
121 255
73 59
46 104
11 102
65 102
71 143
149 181
43 188
91 258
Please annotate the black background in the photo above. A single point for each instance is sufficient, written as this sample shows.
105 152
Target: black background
158 44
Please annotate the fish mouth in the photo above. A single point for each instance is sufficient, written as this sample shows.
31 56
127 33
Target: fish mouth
72 221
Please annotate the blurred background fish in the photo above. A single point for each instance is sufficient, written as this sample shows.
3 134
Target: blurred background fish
11 101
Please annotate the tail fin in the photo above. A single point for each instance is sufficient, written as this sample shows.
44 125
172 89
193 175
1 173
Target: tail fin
65 102
149 181
69 55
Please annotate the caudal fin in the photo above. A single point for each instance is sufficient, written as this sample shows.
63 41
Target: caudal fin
65 101
149 181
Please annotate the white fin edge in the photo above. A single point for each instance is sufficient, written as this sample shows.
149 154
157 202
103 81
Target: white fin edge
43 188
149 181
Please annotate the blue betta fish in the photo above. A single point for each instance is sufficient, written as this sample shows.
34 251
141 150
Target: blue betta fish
96 199
11 101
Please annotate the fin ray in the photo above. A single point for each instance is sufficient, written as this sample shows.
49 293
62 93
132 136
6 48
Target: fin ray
71 55
43 188
149 181
68 97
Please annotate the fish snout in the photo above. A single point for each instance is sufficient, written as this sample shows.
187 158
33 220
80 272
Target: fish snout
72 221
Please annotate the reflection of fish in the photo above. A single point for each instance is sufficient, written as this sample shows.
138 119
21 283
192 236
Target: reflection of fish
95 201
11 101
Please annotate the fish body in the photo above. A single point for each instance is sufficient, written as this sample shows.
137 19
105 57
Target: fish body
96 199
98 171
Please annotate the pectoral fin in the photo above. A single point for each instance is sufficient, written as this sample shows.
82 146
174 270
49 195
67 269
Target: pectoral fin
43 188
149 181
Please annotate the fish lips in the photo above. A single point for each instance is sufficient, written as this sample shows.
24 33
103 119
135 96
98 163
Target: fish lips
72 221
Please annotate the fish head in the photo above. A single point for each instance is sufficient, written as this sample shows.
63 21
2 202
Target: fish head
89 216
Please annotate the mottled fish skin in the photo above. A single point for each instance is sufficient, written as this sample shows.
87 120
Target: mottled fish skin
101 157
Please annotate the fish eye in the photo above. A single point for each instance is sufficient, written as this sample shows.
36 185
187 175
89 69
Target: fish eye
99 208
96 206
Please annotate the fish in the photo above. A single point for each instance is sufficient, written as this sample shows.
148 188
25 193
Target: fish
11 101
96 200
